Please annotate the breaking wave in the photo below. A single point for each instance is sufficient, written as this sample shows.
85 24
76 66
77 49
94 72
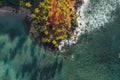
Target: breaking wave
92 15
97 13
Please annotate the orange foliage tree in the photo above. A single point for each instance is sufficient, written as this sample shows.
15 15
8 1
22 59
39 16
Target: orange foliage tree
53 20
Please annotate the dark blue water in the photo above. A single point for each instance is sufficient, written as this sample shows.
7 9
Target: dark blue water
96 55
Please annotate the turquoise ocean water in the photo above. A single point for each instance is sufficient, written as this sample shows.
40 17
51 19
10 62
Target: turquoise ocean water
96 55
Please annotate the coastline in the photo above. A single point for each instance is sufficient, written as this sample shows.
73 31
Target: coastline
78 31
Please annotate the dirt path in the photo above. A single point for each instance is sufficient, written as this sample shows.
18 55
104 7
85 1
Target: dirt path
10 10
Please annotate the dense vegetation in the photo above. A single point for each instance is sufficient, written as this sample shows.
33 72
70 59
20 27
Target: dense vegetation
52 20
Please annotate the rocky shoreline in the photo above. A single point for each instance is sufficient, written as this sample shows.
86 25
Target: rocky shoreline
24 12
79 30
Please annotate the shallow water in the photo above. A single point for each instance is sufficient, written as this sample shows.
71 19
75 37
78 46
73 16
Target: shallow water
96 56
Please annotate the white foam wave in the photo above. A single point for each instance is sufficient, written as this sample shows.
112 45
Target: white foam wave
93 15
78 31
97 13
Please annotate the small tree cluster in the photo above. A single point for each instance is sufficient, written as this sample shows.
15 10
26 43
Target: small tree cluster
52 19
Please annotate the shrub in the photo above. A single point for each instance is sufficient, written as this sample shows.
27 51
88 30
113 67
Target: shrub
53 19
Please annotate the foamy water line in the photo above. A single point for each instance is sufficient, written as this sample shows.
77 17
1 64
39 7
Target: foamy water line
78 30
91 16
